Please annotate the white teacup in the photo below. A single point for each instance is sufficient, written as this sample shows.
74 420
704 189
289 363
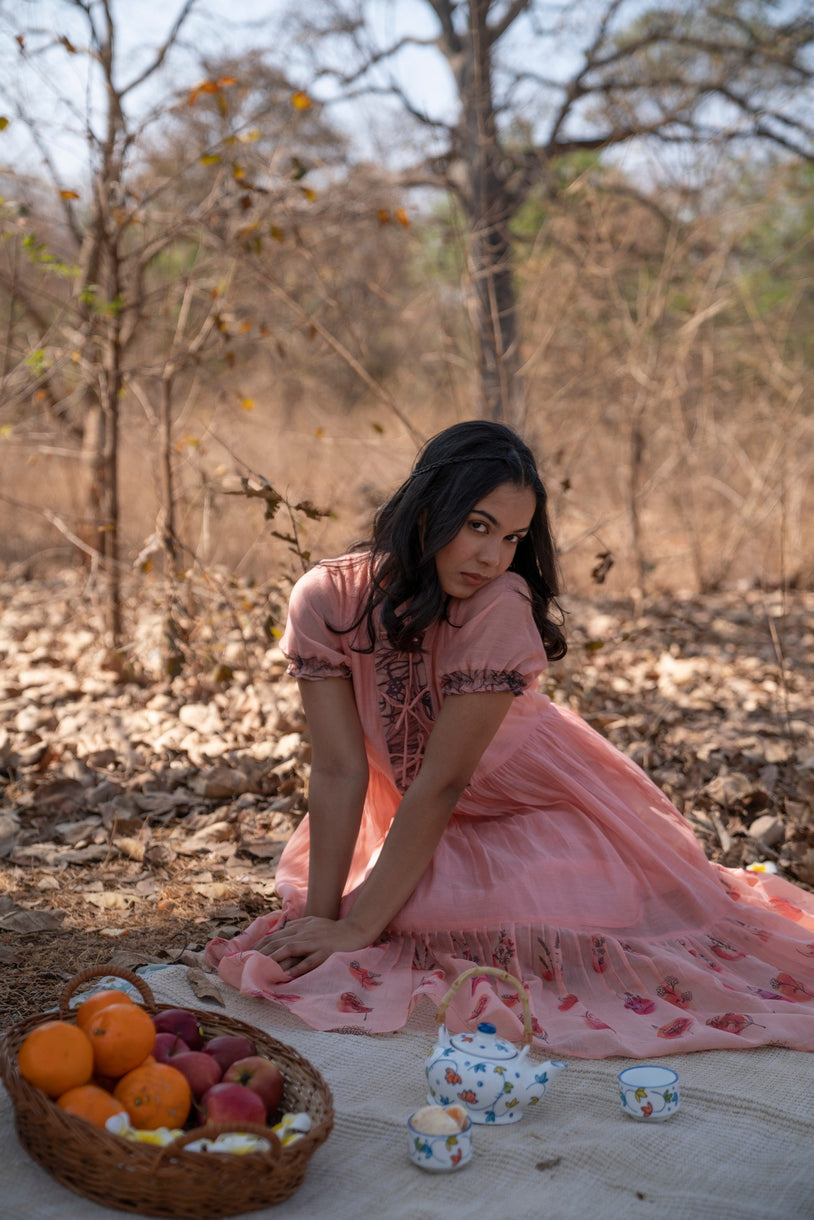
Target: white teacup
649 1092
440 1151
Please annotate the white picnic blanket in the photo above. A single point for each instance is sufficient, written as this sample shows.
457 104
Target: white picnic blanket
741 1147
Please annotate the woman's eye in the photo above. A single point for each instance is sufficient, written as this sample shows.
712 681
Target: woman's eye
478 526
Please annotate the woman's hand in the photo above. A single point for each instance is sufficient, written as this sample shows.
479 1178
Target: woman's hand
303 944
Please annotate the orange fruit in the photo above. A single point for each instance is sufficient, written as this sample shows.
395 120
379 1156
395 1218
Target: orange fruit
108 1083
122 1036
55 1057
155 1095
90 1102
101 999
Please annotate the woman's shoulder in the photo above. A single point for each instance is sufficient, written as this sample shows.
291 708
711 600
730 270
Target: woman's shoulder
491 641
341 575
323 606
507 590
501 609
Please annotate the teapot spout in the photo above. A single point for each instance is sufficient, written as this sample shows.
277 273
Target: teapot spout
553 1067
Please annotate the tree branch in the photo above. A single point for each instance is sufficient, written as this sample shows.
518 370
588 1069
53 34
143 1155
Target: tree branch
443 10
516 9
163 50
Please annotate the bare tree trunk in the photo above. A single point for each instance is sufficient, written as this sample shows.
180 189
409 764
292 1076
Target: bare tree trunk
173 653
100 452
635 478
93 448
489 212
169 541
111 398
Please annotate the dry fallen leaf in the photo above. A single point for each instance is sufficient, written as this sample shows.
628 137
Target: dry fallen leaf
32 921
204 987
727 789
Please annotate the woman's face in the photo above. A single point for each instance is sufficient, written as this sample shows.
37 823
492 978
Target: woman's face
485 544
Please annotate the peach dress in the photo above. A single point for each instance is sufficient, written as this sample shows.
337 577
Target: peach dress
562 864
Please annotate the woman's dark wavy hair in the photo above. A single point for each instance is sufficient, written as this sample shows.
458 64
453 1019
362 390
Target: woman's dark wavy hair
454 472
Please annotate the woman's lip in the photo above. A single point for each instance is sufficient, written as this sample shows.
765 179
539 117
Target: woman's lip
472 578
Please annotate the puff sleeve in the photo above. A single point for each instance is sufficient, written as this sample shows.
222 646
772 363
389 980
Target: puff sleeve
491 642
314 649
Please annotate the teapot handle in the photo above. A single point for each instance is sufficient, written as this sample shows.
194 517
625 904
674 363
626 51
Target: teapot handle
504 977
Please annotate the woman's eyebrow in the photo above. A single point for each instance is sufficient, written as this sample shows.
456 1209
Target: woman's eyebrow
524 529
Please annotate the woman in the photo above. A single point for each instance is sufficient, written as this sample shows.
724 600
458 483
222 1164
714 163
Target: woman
457 817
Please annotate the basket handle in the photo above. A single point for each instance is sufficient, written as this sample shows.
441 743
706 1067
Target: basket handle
504 977
100 972
211 1130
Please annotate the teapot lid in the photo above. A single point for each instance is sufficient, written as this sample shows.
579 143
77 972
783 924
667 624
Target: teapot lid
484 1044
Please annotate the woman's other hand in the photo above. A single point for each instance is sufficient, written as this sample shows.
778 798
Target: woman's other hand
303 944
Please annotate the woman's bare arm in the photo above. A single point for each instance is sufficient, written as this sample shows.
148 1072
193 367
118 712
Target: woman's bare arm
337 787
465 726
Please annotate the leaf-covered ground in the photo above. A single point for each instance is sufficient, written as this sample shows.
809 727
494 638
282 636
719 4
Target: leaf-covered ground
140 818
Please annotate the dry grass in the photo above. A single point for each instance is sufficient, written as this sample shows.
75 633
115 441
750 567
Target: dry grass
349 464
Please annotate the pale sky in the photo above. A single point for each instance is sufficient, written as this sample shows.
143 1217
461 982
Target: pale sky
54 91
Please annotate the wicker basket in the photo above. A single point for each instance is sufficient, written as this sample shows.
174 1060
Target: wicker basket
167 1181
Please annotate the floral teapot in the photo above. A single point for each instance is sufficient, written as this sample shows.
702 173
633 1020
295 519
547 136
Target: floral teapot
485 1074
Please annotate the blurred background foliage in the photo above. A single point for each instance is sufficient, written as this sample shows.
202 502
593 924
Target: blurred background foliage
271 272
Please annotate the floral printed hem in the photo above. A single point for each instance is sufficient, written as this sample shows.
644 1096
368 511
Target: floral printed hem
591 995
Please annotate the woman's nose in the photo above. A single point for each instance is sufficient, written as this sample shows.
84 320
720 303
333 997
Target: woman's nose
489 553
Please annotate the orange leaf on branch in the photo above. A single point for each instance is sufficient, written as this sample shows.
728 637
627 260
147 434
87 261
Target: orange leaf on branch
211 87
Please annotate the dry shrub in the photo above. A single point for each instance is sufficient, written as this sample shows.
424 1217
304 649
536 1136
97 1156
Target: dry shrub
670 420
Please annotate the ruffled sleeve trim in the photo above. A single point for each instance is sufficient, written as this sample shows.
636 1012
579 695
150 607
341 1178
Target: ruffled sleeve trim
315 668
460 683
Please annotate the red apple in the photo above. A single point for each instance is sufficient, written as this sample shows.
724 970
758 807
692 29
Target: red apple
226 1048
261 1075
181 1022
202 1071
167 1046
231 1103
